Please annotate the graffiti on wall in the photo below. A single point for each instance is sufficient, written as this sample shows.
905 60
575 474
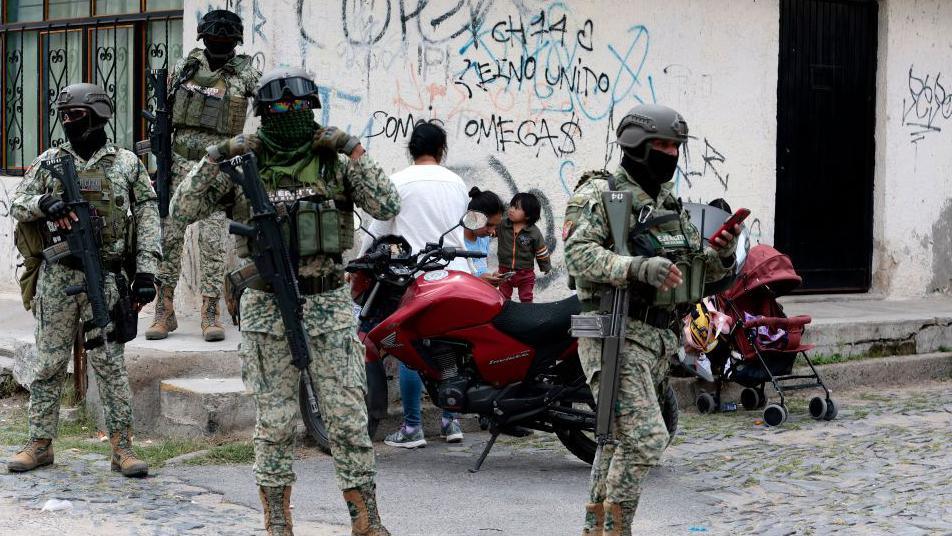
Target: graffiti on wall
927 106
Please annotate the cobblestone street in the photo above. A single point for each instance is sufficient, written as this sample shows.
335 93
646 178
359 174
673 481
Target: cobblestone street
881 468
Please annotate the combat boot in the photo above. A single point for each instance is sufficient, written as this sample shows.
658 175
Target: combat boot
618 517
364 518
124 460
594 519
164 320
36 453
211 326
277 510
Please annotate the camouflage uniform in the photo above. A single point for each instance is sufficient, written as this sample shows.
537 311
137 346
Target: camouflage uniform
189 145
338 358
640 432
59 316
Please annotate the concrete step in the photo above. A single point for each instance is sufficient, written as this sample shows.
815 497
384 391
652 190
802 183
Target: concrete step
194 407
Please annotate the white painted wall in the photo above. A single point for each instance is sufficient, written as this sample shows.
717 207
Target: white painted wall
913 208
717 64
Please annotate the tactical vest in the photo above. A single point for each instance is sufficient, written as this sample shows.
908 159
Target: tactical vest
204 100
318 216
659 231
112 213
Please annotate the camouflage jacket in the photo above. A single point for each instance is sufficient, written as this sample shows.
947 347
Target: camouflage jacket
596 267
239 81
131 189
204 191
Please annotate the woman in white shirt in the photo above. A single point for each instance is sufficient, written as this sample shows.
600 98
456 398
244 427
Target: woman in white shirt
432 200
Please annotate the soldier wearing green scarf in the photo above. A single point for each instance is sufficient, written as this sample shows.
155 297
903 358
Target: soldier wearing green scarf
318 175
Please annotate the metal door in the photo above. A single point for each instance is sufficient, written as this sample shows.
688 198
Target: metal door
826 100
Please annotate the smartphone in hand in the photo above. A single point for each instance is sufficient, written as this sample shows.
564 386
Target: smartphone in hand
736 218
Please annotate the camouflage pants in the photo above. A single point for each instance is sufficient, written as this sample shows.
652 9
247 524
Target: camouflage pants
211 243
639 429
338 371
58 317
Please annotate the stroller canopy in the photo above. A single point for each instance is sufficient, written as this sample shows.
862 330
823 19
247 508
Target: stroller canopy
765 266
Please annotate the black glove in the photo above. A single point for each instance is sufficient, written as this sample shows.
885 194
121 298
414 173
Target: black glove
143 288
53 207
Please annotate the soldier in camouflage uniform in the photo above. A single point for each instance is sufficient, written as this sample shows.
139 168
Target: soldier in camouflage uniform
670 262
114 181
315 173
210 89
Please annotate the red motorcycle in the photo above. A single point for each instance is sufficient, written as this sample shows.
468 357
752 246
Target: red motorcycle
513 364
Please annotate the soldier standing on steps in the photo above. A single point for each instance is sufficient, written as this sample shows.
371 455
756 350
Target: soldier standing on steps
662 238
116 184
318 174
210 89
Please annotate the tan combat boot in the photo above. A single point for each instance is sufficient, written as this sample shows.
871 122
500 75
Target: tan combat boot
36 453
211 326
618 518
277 510
164 320
124 460
594 519
364 518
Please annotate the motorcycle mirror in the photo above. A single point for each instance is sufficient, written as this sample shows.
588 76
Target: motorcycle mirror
474 220
359 224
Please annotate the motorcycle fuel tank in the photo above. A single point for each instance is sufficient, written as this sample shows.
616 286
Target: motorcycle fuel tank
451 300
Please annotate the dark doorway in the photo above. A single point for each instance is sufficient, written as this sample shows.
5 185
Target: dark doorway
826 99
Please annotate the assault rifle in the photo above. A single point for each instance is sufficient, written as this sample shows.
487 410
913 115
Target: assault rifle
273 261
82 240
609 326
160 138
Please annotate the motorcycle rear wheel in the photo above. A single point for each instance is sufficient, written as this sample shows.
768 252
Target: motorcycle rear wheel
582 443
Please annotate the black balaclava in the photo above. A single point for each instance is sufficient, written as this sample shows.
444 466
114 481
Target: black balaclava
86 135
219 52
650 171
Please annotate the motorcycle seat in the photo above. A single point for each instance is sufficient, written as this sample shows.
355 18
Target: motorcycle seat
538 324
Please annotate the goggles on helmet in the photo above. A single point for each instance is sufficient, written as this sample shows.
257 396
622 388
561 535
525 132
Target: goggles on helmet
286 88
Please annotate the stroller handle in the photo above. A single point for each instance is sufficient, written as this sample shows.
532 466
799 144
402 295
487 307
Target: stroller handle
778 322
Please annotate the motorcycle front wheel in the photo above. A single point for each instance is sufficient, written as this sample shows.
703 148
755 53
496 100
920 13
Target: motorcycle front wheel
313 422
582 443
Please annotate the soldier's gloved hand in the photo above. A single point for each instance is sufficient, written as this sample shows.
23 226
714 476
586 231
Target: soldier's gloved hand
335 139
235 146
658 272
143 288
53 207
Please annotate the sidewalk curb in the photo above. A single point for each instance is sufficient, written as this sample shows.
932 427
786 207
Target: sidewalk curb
863 373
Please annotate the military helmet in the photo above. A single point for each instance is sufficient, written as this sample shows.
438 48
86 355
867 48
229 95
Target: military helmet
648 122
88 96
221 23
285 83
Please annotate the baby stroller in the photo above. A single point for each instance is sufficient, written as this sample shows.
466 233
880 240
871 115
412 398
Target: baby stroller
764 343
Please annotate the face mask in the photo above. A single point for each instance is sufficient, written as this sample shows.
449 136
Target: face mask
85 136
656 168
290 129
220 49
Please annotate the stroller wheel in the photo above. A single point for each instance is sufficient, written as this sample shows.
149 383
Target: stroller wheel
751 399
831 410
705 403
775 415
818 408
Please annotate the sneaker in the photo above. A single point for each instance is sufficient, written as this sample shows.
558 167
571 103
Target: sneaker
406 439
452 431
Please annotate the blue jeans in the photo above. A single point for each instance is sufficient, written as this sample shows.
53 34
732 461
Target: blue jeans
411 389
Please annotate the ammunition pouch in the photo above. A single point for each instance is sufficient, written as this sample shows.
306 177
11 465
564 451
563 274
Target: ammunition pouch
209 108
30 239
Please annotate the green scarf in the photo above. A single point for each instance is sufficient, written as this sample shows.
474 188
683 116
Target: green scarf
287 152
